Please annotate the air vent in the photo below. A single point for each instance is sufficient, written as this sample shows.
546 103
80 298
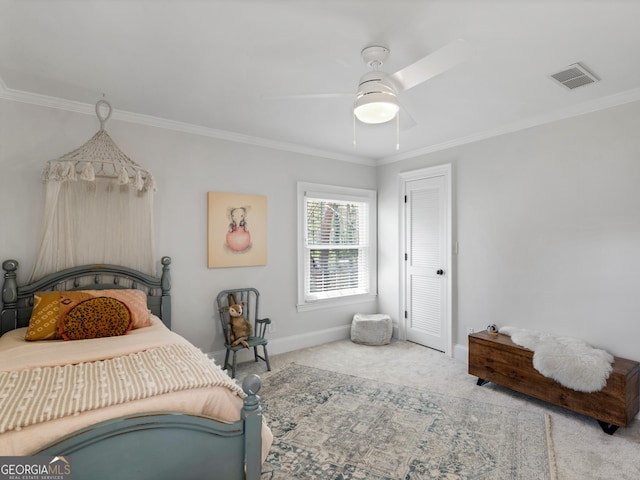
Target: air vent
575 76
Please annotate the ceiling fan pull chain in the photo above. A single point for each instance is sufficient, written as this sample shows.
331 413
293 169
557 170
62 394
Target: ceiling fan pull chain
398 131
354 130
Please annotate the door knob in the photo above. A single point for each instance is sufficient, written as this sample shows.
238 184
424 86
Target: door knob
440 272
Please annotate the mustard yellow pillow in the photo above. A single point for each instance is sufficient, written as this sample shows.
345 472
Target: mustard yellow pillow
96 318
45 316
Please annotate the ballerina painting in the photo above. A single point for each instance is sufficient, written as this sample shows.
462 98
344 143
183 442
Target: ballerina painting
237 230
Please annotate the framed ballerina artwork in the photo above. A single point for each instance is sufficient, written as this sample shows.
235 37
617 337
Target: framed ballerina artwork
237 229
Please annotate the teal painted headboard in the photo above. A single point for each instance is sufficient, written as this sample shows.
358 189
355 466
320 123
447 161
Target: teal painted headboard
17 301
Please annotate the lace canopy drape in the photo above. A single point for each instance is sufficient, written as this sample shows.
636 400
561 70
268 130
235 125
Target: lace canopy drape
98 208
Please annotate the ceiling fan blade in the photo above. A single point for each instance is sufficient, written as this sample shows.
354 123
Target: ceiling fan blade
406 120
310 96
428 67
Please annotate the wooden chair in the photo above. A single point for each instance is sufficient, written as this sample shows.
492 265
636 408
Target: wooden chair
250 299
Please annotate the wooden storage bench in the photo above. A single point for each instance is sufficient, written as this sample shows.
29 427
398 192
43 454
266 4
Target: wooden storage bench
497 359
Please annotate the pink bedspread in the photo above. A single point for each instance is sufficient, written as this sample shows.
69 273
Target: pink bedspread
18 354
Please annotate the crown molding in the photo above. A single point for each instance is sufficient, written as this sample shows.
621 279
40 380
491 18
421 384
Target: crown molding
157 122
628 96
598 104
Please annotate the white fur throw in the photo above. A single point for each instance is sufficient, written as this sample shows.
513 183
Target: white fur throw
569 361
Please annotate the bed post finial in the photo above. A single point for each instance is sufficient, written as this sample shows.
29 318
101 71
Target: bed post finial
252 417
166 275
9 316
10 285
165 286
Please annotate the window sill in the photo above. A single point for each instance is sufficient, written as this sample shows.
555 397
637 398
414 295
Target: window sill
335 302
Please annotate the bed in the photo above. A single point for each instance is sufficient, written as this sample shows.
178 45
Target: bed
110 403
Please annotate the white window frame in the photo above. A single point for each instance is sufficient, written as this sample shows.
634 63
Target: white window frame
337 193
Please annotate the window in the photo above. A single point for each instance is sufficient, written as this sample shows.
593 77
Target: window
337 247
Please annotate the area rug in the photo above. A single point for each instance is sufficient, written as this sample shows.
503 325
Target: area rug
327 425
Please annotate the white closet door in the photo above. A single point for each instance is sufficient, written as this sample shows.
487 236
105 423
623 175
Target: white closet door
426 237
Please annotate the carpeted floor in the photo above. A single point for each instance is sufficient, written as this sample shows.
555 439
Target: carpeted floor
328 425
581 449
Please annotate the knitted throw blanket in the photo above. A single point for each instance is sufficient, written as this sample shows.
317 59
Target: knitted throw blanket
37 395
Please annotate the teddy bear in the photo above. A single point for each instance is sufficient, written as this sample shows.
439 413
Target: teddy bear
240 327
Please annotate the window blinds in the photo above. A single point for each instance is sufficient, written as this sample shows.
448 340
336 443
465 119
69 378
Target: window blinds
337 247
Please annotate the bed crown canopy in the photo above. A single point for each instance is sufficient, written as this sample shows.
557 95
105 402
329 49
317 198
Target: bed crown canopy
99 157
98 208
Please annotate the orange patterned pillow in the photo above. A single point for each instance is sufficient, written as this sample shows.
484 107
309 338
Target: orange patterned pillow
96 318
51 308
135 300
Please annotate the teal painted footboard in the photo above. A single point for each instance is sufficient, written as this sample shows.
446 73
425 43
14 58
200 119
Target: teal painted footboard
167 446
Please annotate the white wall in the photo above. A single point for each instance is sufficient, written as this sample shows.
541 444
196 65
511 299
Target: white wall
186 167
548 223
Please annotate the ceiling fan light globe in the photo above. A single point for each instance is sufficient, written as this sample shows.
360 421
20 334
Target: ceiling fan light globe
378 107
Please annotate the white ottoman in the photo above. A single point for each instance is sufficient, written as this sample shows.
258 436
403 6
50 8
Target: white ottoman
371 329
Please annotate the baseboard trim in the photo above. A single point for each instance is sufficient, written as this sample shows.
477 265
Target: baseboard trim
293 342
311 339
461 353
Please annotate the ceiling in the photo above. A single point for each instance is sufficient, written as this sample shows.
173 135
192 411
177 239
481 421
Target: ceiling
233 69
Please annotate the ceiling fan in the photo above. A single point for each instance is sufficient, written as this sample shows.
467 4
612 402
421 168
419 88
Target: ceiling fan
376 100
377 96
